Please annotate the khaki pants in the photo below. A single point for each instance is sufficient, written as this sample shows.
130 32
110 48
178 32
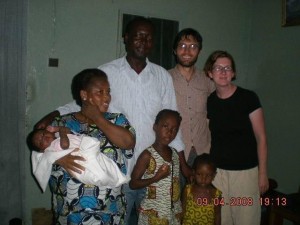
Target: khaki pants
241 196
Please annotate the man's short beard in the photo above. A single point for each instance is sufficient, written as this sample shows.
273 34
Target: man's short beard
187 64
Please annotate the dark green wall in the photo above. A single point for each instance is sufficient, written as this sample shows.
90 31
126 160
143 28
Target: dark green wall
85 34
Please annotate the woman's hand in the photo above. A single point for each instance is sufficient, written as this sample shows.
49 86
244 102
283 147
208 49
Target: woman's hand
263 183
71 163
118 135
92 112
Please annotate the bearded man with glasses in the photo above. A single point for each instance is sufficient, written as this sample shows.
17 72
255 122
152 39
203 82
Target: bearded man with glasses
192 89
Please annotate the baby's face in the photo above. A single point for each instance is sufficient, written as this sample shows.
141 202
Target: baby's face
42 139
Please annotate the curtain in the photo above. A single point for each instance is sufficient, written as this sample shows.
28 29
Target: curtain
12 108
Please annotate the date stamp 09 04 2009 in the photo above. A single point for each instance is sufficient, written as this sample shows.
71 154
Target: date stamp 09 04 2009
243 201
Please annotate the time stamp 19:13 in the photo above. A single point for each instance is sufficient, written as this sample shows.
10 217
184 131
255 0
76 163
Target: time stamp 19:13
243 201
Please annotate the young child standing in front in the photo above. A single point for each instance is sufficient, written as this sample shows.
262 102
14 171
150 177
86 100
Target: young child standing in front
157 170
201 201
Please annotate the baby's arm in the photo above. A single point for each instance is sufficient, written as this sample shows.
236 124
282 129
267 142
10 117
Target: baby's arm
64 140
63 131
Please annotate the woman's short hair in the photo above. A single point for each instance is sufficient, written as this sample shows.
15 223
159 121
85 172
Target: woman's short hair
83 80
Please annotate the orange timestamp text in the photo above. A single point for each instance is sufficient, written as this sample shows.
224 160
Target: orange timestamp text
242 201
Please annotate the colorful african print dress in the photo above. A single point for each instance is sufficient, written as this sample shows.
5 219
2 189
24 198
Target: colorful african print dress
76 203
162 205
196 214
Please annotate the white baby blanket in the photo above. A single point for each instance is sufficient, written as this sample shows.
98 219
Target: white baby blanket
99 169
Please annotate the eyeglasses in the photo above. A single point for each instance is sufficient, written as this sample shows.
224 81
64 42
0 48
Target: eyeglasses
183 46
219 69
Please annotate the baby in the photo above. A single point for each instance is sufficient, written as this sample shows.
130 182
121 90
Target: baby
41 139
99 169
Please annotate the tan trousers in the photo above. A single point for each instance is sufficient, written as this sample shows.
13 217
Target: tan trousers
241 196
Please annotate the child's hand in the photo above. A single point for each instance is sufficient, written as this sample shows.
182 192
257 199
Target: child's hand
64 130
52 129
61 129
163 172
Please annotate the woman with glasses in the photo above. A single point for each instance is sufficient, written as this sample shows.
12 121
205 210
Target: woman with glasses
238 145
